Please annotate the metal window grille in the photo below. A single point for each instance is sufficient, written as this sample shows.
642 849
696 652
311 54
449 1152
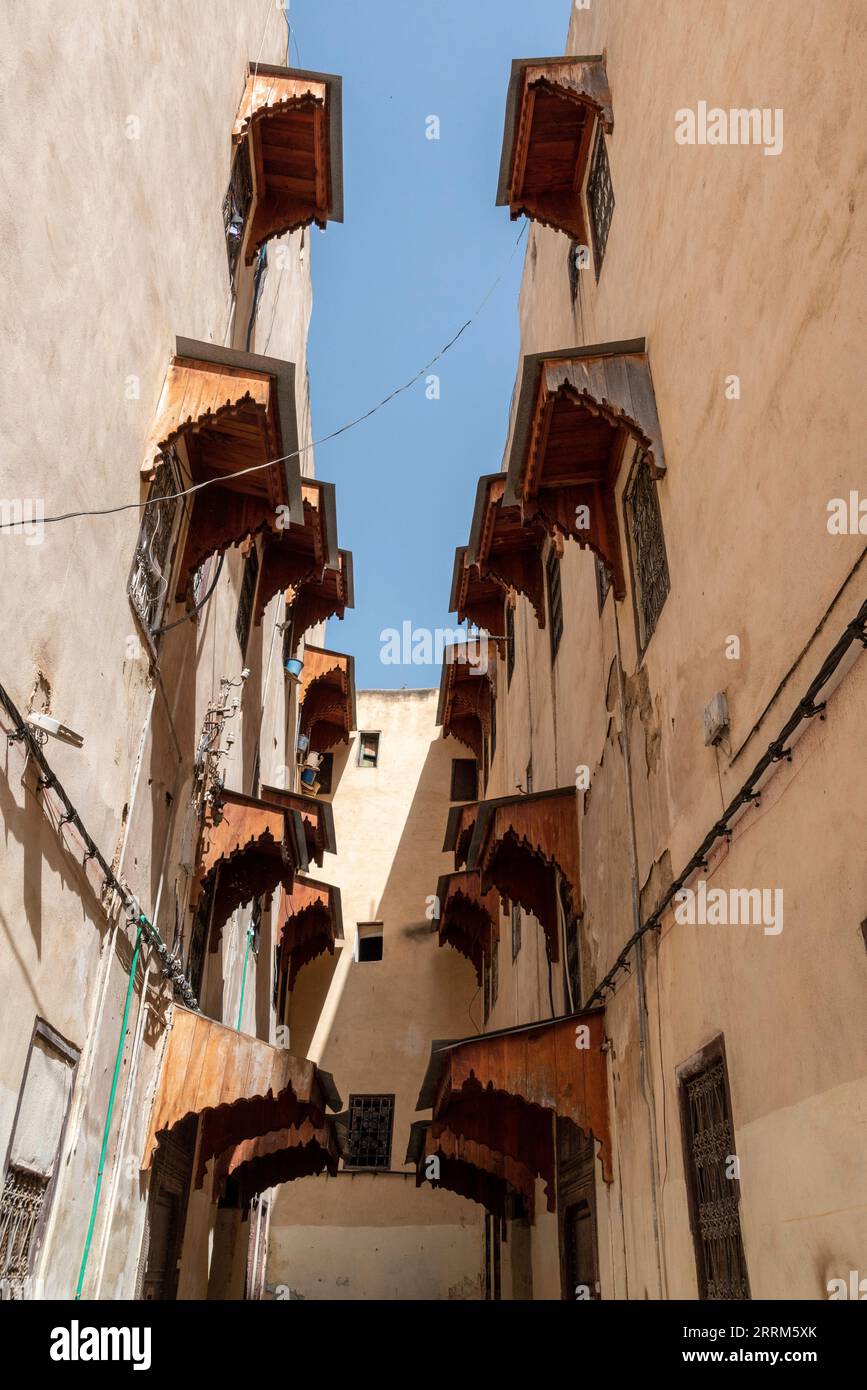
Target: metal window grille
245 599
510 643
710 1145
600 199
603 582
368 750
148 586
21 1205
371 1119
516 930
650 578
236 204
555 600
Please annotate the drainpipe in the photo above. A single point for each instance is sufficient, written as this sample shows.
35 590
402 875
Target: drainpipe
111 1099
639 973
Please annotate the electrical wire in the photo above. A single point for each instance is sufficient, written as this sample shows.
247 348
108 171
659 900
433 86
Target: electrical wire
223 478
188 617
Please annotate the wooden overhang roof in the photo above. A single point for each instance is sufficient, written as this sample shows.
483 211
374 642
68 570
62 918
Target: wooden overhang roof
506 547
504 1090
249 846
220 412
520 844
317 820
469 917
471 1170
292 123
327 698
313 600
467 694
551 111
459 831
281 1156
476 598
243 1088
310 920
581 413
298 552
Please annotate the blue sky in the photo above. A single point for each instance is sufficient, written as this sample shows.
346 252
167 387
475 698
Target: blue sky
421 244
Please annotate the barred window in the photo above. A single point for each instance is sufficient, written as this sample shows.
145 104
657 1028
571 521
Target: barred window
555 600
236 204
650 579
150 576
371 1119
712 1183
245 599
600 199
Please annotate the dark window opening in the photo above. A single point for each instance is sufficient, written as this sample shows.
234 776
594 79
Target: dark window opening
571 931
516 930
603 582
465 779
370 941
493 1257
555 601
600 199
245 599
576 1206
368 750
510 643
167 1213
326 773
650 578
370 1124
711 1173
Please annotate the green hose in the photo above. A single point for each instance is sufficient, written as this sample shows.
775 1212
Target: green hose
244 976
117 1065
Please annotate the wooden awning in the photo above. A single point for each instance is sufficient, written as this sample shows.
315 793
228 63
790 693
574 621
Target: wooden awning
272 1159
327 698
469 917
471 1170
581 414
297 553
476 598
551 113
242 1087
248 848
314 600
506 1089
310 920
222 412
520 844
505 547
317 820
467 694
459 831
292 123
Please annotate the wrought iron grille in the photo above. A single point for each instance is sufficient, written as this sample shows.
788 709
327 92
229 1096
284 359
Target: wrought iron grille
370 1124
555 600
245 599
236 204
650 579
151 567
21 1206
722 1263
603 581
600 199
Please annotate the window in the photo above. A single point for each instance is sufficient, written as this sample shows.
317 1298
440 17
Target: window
370 1124
603 581
369 941
711 1176
34 1152
529 776
368 749
465 779
236 204
149 580
510 643
493 1241
516 930
650 581
600 199
326 773
576 1212
201 580
167 1213
572 953
245 599
493 727
491 982
555 600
